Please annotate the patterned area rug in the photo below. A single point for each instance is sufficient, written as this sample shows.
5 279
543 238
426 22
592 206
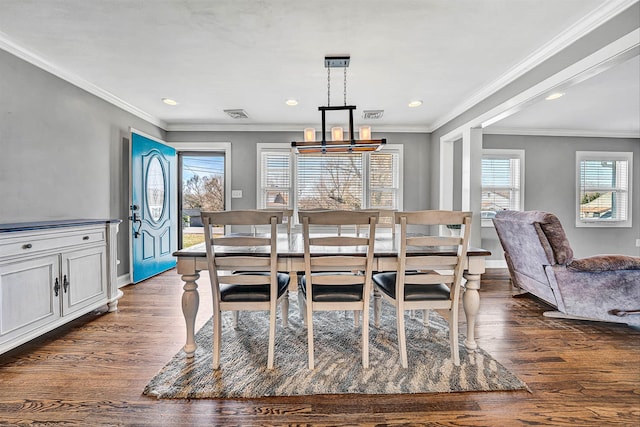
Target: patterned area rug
243 372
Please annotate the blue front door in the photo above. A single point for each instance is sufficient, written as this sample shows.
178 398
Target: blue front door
153 207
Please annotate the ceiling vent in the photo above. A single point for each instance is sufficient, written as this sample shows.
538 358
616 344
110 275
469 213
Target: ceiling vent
372 114
237 114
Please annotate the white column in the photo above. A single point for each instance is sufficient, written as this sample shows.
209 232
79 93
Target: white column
472 179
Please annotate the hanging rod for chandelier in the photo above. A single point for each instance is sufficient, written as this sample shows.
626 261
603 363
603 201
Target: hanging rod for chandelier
337 144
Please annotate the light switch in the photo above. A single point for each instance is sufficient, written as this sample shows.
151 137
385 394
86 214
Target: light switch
236 194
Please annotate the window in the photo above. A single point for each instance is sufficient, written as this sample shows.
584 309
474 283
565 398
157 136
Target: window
603 189
502 182
331 181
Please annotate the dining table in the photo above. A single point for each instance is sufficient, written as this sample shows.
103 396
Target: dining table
290 247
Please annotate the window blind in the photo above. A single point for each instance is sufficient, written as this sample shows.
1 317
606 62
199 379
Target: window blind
383 180
604 191
500 184
329 181
275 179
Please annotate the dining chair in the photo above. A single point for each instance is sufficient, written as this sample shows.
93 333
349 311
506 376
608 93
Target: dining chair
385 220
287 217
425 281
248 281
338 269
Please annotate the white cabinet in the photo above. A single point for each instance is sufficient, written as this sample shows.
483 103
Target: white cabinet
52 274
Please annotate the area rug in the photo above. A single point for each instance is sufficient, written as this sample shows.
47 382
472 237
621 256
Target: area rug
243 372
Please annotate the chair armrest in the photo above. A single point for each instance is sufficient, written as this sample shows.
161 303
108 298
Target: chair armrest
601 263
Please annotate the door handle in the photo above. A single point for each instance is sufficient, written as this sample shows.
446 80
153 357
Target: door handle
135 219
56 287
65 284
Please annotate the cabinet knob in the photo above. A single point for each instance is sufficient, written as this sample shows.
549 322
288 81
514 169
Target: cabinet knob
85 238
27 246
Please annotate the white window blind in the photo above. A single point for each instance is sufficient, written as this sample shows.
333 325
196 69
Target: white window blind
502 177
275 179
383 180
603 187
329 181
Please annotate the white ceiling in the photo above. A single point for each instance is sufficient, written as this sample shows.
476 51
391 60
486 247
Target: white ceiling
254 55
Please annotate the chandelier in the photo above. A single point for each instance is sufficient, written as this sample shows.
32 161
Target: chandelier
337 143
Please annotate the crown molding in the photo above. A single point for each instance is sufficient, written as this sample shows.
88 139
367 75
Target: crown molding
560 132
251 127
15 49
581 28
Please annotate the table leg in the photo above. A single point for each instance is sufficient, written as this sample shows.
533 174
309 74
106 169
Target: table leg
190 303
471 304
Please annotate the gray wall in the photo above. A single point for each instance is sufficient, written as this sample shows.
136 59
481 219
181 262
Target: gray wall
243 157
550 185
62 151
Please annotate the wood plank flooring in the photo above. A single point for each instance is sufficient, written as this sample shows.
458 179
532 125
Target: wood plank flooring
92 372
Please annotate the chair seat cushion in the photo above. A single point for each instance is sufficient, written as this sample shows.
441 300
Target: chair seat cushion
386 282
332 293
251 293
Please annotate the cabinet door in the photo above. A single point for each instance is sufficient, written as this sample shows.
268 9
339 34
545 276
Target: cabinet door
28 296
84 278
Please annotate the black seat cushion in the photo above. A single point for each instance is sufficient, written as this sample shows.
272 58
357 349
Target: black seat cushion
332 293
251 293
386 282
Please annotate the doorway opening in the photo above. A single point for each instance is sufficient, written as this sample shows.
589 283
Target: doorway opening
201 188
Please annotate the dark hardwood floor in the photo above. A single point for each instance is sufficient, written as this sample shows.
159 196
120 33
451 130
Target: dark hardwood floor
92 372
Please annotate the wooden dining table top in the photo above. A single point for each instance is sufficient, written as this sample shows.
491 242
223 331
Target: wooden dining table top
292 246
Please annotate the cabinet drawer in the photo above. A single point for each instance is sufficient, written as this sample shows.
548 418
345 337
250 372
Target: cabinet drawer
27 245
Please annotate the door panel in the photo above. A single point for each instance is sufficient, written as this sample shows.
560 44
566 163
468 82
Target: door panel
153 207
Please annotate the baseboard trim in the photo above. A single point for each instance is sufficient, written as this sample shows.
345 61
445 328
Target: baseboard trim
124 280
495 263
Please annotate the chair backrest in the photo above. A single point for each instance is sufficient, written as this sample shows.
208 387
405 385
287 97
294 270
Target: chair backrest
287 217
358 250
426 268
262 254
531 240
385 219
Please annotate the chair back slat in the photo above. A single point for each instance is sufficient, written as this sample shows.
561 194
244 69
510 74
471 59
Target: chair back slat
244 279
241 241
431 263
338 279
428 279
243 263
338 241
434 241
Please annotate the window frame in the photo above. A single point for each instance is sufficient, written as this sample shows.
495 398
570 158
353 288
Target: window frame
293 166
510 154
605 156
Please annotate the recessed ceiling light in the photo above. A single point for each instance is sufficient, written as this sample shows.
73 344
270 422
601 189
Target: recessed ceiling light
413 104
291 102
554 95
169 101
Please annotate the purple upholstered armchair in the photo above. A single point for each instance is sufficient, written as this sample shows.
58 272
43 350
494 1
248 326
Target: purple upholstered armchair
540 261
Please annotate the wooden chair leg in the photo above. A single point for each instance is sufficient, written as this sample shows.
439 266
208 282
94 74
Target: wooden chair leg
285 309
217 339
365 337
235 316
309 321
453 337
402 339
302 308
356 318
377 307
425 318
272 334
